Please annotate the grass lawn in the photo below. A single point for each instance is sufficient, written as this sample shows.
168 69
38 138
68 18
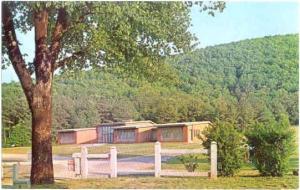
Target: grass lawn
124 150
289 182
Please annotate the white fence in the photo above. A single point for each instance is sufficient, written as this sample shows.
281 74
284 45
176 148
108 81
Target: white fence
81 161
213 159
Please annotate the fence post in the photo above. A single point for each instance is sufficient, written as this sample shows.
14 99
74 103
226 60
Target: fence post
77 165
113 162
29 155
157 159
15 173
84 162
213 160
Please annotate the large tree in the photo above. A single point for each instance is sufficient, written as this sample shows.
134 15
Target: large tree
79 35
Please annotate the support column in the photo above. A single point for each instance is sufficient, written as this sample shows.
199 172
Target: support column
157 150
113 162
84 162
213 160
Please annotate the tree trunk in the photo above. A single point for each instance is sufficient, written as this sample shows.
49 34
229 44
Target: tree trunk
42 167
39 95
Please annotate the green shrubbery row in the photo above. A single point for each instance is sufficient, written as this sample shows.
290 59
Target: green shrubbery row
270 146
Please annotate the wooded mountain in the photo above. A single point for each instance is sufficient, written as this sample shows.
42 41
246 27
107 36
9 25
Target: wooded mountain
244 82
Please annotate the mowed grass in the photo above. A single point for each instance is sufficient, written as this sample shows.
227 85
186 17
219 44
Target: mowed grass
124 150
289 182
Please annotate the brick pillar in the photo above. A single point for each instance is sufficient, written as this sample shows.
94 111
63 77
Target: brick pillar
158 135
185 134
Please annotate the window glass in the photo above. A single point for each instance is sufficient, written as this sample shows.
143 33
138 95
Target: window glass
127 135
172 133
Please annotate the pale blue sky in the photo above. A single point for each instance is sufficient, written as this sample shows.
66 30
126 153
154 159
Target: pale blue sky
239 20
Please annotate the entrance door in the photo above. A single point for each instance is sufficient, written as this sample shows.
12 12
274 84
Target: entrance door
106 134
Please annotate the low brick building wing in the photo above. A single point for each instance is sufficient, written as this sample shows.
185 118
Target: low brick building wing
77 136
124 130
188 132
133 134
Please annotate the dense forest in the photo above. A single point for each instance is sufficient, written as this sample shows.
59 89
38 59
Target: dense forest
244 82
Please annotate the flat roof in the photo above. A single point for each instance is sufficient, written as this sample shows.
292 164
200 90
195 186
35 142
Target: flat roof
78 129
134 126
127 123
182 124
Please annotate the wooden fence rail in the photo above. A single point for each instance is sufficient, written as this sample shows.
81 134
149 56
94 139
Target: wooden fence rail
81 161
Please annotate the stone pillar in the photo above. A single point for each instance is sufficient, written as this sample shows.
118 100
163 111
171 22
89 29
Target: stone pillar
84 162
213 160
113 162
157 164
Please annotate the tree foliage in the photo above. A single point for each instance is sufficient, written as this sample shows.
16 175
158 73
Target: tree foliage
271 146
249 79
81 35
85 99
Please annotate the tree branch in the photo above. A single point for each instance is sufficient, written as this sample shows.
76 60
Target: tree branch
66 60
14 52
60 28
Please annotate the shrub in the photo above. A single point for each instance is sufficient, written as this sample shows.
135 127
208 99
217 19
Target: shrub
270 147
230 145
190 162
20 136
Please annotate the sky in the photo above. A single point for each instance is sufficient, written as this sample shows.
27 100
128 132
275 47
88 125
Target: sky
238 21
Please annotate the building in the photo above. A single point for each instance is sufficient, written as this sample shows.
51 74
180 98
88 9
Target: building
124 130
77 136
135 132
188 132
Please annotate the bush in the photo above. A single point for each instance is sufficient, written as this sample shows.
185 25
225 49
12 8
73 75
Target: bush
270 147
19 136
230 145
190 162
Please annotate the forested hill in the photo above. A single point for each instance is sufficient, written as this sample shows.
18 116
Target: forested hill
253 75
249 81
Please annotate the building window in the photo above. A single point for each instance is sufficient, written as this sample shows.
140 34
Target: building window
127 135
172 133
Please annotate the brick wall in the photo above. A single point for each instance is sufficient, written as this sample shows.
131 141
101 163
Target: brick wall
184 131
118 132
66 137
144 134
86 136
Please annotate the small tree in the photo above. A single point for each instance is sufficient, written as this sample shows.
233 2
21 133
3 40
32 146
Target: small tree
271 146
230 147
190 162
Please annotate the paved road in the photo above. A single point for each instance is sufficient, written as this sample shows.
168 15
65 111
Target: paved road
97 167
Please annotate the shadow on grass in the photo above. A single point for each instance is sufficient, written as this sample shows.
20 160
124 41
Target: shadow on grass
56 185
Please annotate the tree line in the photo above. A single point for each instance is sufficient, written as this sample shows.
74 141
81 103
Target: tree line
242 82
